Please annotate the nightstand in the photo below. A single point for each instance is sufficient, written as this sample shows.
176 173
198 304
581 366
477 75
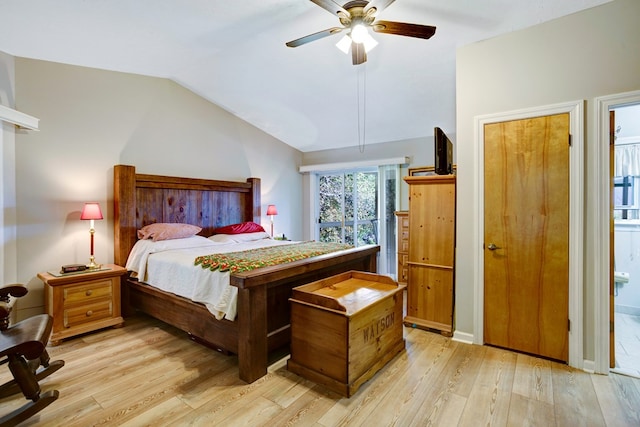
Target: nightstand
84 301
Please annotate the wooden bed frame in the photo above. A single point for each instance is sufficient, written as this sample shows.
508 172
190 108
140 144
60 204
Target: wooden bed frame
262 322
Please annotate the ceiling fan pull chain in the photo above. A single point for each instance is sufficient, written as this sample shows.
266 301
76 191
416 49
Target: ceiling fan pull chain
361 137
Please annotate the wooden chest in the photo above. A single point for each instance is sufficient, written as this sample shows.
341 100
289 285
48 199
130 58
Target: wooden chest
345 328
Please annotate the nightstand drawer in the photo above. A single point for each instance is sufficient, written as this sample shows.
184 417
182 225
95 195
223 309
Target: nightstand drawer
87 313
82 294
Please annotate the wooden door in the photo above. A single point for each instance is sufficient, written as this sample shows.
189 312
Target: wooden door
526 235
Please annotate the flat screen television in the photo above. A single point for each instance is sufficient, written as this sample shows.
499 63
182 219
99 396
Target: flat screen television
443 152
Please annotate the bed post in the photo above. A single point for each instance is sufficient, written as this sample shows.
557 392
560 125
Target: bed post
124 195
252 333
253 209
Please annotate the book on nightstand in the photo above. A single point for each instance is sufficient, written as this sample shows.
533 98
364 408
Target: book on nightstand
72 268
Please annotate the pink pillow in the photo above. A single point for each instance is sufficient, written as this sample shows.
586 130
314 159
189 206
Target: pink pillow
243 227
167 231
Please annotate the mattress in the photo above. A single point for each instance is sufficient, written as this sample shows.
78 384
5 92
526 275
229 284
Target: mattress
169 265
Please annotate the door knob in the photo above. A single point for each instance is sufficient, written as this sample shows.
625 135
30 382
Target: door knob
492 247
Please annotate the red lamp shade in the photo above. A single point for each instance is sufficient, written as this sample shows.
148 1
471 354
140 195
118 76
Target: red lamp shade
91 210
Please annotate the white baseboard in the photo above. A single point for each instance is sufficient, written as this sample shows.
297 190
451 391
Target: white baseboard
627 309
462 337
589 366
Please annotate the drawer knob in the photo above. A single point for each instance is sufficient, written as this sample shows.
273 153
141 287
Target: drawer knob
89 313
88 293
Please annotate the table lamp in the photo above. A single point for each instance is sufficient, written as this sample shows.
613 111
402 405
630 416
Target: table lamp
271 211
91 211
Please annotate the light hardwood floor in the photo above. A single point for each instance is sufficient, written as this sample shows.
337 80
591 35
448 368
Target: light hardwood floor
148 373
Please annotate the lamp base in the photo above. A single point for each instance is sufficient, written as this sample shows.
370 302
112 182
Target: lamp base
92 264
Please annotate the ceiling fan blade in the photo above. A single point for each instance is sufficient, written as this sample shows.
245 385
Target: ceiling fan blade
331 6
379 5
404 29
358 54
313 37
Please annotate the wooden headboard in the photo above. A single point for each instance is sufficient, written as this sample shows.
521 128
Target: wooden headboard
141 199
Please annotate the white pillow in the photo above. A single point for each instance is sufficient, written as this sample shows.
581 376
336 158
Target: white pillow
221 238
240 238
249 237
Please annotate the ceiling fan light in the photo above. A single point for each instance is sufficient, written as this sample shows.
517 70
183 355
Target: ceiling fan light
359 33
369 43
344 44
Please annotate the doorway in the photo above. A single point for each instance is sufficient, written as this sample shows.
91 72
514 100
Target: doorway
375 224
602 271
625 239
603 267
576 218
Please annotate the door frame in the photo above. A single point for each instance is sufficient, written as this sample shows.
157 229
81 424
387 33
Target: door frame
576 217
601 252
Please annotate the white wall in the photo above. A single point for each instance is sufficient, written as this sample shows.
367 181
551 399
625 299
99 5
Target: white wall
93 119
581 56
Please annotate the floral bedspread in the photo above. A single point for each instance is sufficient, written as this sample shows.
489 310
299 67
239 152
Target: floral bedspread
236 262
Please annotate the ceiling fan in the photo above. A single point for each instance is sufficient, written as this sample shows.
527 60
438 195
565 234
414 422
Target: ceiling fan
356 16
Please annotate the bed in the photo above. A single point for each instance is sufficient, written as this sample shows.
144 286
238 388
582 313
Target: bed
262 322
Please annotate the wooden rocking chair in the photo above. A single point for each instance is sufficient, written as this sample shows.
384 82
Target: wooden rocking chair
23 347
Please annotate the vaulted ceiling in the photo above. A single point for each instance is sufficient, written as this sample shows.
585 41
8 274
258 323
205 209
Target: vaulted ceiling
233 53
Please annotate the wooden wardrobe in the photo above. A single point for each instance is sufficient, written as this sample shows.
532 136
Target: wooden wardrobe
432 225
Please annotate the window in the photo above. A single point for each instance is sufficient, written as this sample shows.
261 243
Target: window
625 196
348 207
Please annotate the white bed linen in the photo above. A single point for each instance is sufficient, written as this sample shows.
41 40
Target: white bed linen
169 265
